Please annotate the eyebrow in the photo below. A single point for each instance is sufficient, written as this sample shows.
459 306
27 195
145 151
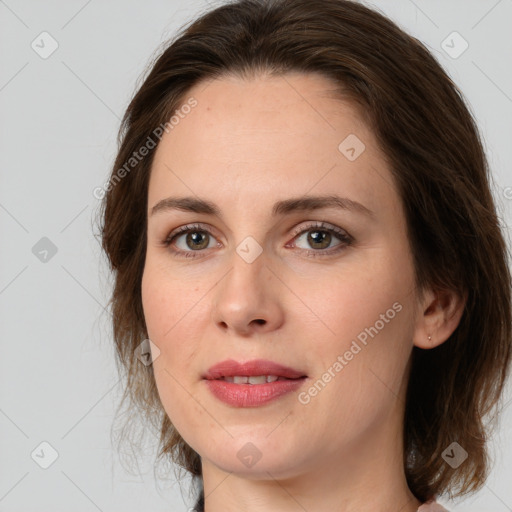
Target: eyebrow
303 203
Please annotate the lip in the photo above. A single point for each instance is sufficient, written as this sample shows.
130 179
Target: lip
252 395
231 368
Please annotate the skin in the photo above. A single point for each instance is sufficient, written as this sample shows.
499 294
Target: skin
246 145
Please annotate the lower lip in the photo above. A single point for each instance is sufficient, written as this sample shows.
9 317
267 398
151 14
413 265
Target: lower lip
252 395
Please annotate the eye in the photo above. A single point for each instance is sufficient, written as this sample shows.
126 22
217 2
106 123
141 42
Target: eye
189 239
319 236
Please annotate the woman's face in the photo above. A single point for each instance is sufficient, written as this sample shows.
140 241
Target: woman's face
326 289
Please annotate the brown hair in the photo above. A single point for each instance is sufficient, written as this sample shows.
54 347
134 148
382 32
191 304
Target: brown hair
435 152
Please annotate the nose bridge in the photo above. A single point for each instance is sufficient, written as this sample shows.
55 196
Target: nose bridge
245 281
246 297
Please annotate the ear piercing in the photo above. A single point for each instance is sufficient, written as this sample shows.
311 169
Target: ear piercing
429 338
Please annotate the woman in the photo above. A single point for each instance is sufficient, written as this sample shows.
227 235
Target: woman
306 249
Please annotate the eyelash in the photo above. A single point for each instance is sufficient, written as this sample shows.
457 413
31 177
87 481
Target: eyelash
345 239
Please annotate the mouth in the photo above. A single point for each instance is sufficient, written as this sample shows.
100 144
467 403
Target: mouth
255 379
257 371
254 383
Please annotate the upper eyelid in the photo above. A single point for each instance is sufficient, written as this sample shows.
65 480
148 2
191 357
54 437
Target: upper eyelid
320 225
186 228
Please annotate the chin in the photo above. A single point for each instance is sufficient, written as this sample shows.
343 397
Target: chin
258 458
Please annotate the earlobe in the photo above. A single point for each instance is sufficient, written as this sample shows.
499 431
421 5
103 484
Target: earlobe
438 316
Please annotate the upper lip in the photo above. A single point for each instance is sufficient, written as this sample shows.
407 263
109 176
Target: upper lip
231 368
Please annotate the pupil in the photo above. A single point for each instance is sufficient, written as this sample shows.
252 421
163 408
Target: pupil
197 240
317 238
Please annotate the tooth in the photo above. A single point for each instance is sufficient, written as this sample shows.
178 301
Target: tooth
254 379
260 379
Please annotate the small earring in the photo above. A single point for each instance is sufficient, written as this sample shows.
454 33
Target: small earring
429 338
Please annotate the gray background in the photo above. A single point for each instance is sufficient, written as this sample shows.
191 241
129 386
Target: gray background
58 119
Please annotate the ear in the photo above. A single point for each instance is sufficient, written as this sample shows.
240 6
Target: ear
439 313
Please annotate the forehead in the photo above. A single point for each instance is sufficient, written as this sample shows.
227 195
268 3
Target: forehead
296 108
266 137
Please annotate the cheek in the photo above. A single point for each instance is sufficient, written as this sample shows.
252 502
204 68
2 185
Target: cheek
361 367
166 301
364 316
347 301
166 304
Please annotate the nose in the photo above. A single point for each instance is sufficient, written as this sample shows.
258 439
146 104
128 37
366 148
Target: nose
248 298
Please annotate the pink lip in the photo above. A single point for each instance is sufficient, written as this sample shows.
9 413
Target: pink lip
251 395
230 368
